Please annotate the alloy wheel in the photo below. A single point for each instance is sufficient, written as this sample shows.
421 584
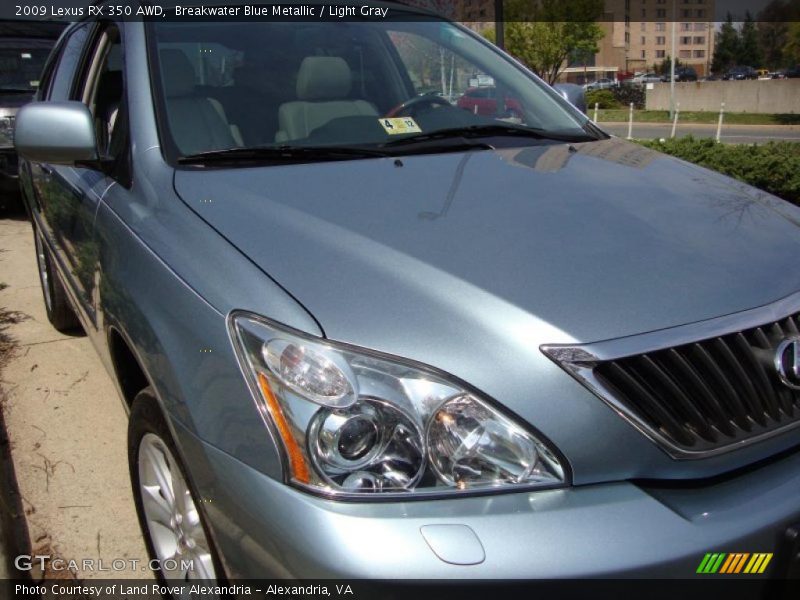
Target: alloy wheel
173 521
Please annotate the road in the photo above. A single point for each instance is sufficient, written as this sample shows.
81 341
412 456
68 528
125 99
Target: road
731 134
67 428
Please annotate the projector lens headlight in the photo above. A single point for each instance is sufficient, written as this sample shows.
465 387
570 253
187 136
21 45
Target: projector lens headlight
371 447
353 422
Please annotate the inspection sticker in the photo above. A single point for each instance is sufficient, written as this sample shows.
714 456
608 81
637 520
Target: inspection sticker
398 125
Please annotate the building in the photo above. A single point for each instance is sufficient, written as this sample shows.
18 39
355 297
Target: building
639 36
476 11
650 33
476 14
609 61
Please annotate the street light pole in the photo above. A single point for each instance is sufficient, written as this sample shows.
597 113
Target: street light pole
499 28
672 61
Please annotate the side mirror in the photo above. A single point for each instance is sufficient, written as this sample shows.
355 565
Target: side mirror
56 132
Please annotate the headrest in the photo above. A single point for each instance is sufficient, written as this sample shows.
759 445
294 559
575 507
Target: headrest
177 73
323 78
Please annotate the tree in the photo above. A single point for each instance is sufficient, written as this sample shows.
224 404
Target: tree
749 50
772 30
777 33
792 48
726 49
771 40
543 34
665 68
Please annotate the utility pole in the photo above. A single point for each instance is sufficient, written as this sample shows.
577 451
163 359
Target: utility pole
672 61
499 26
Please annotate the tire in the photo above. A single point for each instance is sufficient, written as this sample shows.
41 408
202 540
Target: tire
156 473
59 311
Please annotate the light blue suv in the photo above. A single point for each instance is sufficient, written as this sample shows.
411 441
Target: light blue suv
362 332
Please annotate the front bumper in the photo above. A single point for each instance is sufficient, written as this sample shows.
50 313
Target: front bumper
265 529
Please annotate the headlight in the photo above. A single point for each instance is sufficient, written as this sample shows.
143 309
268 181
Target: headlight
352 421
7 131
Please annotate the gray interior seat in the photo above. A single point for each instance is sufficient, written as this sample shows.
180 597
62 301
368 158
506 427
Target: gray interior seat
252 102
323 86
196 124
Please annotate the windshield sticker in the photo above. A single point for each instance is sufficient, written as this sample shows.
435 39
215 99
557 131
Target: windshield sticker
399 125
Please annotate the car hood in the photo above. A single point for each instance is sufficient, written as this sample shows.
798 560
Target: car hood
599 240
469 262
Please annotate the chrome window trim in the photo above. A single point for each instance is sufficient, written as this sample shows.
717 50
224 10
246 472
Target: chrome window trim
579 360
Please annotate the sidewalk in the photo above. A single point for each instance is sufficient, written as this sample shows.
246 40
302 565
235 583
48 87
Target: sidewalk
13 533
67 429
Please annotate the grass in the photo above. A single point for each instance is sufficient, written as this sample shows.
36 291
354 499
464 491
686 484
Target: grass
773 167
662 116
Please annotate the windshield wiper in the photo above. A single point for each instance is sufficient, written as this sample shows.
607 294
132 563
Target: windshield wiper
456 139
421 144
481 131
281 154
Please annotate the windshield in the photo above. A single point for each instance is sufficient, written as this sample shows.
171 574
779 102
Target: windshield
21 64
243 85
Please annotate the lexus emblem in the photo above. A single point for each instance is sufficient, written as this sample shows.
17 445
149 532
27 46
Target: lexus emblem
787 361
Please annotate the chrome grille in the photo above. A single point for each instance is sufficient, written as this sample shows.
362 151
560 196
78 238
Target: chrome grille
699 397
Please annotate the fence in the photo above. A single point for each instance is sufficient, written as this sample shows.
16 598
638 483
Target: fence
770 96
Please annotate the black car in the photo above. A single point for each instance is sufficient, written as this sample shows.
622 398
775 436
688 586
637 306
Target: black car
685 74
682 74
793 73
740 73
24 48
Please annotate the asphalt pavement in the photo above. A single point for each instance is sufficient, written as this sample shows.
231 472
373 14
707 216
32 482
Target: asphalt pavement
731 134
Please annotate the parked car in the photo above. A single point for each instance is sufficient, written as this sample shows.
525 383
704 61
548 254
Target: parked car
682 74
24 47
483 101
740 73
646 78
601 84
792 73
364 333
685 74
